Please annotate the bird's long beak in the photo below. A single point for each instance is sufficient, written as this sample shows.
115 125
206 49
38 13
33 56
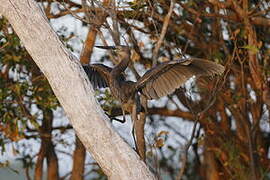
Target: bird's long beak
106 47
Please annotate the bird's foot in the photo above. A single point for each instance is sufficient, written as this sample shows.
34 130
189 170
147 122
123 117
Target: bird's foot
116 119
119 120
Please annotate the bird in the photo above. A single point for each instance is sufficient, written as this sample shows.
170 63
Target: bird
157 82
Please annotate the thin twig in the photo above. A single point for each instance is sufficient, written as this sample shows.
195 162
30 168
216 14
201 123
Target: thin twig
86 10
163 32
115 32
73 13
185 154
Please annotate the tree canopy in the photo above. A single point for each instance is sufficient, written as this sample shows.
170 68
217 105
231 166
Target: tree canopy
211 128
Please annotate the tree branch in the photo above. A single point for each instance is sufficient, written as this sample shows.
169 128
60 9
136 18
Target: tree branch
163 32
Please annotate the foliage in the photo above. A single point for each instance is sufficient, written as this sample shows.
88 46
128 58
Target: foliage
231 141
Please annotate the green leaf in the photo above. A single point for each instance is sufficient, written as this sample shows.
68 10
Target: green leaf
252 48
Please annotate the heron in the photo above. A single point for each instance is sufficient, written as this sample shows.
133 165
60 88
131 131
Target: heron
157 82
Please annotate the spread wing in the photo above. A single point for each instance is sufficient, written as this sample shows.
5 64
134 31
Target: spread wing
99 74
166 77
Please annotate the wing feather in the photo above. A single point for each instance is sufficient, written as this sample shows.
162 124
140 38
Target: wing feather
166 77
159 86
169 77
95 81
99 74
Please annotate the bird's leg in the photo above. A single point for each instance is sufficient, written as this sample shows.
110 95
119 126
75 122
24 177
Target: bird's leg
133 128
139 132
138 103
124 114
134 136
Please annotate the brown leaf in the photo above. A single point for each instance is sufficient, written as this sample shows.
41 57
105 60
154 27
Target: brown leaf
162 132
159 143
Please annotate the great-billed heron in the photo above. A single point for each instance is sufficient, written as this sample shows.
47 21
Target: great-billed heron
159 81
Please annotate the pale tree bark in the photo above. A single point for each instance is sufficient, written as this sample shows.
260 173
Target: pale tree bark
74 92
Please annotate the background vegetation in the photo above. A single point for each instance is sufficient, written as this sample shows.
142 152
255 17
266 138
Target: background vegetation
220 125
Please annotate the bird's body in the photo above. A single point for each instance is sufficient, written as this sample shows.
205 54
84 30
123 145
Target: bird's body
104 76
122 90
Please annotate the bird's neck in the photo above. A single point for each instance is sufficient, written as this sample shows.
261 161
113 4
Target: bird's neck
121 67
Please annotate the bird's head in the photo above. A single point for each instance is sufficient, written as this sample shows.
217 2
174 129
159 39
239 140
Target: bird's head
121 50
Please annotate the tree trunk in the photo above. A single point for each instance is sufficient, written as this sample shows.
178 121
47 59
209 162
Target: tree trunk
46 149
73 91
78 161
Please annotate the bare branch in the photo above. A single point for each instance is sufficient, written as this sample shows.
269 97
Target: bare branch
163 33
